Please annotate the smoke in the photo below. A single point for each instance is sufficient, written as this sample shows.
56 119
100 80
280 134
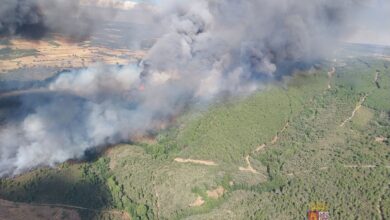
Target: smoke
84 109
208 48
232 45
34 19
119 4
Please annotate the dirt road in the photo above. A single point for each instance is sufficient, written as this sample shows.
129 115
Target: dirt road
330 76
201 162
249 167
358 106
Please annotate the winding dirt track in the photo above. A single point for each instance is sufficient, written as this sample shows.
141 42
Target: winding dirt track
358 106
330 76
360 103
249 167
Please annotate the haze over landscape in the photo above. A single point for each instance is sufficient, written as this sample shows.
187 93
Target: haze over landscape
208 109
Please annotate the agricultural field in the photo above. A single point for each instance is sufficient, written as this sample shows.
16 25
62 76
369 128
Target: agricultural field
319 136
59 53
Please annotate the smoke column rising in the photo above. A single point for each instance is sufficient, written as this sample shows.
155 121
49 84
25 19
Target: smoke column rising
34 19
208 47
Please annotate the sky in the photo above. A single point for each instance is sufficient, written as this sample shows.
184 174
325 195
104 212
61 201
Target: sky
373 25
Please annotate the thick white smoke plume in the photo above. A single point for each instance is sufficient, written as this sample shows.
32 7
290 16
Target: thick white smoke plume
208 47
119 4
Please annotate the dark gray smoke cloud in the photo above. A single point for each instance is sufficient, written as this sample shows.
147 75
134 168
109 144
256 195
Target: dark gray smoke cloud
233 45
34 19
208 47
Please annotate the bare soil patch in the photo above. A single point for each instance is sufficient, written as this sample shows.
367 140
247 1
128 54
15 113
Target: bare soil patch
259 148
198 202
380 139
202 162
330 76
216 193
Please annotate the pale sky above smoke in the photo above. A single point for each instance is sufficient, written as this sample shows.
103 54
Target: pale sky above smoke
206 48
373 24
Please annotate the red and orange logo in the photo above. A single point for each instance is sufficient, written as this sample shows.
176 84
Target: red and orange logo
318 211
313 215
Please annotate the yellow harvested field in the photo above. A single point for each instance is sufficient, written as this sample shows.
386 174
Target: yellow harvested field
60 53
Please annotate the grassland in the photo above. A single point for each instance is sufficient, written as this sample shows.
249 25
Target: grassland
293 134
